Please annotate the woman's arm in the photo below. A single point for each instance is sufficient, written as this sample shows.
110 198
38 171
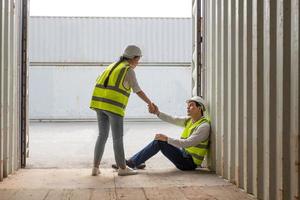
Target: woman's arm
144 97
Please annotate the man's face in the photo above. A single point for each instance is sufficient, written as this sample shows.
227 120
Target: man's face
192 109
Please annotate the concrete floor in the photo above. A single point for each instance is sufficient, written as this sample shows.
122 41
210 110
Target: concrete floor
61 158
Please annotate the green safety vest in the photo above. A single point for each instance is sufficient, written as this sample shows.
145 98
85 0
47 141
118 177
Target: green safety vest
114 97
198 151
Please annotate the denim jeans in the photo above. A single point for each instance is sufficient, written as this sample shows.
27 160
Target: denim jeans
178 157
116 123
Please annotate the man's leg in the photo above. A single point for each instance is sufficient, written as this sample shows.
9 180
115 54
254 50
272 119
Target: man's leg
178 157
174 154
143 155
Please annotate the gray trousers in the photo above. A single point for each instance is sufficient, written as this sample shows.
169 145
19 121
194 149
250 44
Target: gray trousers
105 121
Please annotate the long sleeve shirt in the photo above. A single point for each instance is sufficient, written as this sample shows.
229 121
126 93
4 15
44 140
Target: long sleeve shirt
199 134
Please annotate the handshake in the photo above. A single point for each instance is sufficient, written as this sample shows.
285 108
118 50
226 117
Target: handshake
152 108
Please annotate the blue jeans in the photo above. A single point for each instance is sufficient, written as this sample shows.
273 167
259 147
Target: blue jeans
116 123
178 157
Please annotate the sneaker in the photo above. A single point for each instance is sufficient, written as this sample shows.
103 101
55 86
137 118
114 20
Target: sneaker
95 171
126 172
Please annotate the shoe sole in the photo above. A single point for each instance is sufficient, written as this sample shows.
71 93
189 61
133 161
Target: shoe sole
127 174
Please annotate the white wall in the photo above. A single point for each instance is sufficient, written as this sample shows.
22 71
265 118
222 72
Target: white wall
58 92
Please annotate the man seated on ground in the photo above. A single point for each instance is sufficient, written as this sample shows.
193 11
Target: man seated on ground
186 153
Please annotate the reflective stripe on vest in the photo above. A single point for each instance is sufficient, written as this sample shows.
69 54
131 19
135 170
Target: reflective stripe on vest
113 97
198 151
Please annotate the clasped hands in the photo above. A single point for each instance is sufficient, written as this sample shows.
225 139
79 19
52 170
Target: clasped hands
152 108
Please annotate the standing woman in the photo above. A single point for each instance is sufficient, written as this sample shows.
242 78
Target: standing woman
109 100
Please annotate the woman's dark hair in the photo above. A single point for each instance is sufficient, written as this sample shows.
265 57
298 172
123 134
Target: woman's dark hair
122 58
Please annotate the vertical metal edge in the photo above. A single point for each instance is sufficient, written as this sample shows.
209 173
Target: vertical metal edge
245 101
200 70
239 171
12 88
295 87
1 85
24 84
254 98
260 100
286 99
219 37
272 99
210 83
227 91
6 109
279 100
248 121
266 98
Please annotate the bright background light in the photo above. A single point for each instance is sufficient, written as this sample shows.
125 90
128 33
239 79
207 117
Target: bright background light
112 8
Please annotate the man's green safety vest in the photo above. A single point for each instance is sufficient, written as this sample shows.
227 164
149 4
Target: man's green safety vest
110 94
200 150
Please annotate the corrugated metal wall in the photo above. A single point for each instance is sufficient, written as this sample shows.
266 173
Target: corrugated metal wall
252 58
10 67
70 52
100 39
62 102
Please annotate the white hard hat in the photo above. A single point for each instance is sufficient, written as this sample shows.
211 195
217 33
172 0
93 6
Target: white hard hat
132 51
199 100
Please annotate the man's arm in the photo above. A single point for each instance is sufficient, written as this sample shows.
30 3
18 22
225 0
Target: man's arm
200 134
179 121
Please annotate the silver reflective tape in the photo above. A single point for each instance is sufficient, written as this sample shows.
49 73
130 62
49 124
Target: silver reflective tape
120 76
109 101
202 146
195 155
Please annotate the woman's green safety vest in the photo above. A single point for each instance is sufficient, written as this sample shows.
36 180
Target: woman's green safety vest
198 151
110 94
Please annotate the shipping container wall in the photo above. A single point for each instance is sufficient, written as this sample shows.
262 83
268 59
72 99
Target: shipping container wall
102 39
64 92
68 53
10 67
252 58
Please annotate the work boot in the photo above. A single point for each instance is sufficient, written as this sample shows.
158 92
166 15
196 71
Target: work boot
130 164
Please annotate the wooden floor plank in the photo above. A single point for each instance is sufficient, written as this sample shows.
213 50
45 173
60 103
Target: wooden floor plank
107 194
56 194
130 194
32 194
164 194
81 194
7 193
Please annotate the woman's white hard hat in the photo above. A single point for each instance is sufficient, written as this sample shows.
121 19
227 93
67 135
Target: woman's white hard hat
132 51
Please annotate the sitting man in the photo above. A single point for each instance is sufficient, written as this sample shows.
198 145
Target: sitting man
186 153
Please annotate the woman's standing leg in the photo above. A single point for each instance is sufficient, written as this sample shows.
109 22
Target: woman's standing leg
103 125
117 125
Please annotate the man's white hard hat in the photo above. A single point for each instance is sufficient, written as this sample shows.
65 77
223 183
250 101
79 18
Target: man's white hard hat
132 51
199 100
